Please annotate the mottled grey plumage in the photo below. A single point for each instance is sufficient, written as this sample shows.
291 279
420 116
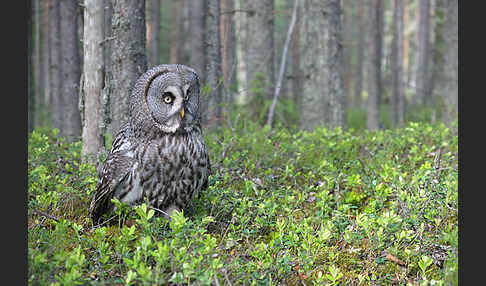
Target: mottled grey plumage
159 155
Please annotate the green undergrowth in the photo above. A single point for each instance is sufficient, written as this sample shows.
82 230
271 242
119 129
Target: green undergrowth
282 208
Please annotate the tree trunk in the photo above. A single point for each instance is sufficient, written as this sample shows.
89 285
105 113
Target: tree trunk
57 101
282 64
296 61
397 70
30 72
180 38
380 14
314 35
197 57
451 65
347 35
260 52
361 49
241 97
92 138
153 34
71 70
128 60
37 66
107 74
227 48
422 63
406 43
373 120
186 30
177 31
437 50
214 72
335 60
45 113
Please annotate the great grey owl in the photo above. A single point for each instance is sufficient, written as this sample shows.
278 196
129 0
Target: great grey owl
159 155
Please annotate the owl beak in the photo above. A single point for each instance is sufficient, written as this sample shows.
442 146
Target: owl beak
182 112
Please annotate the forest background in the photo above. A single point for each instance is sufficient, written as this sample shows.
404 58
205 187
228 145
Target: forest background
331 127
354 64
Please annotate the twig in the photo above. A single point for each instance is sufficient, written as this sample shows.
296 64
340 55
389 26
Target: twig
216 280
161 211
45 215
226 277
282 65
103 223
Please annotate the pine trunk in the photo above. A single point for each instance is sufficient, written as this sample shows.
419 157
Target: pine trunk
213 67
107 74
197 57
30 72
314 35
397 61
335 59
422 63
153 34
241 96
227 48
37 66
373 120
176 34
347 35
128 59
361 49
406 43
451 65
296 61
380 14
57 101
438 48
92 137
260 52
45 113
71 70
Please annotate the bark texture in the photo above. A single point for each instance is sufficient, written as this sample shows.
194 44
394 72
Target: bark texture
296 60
92 136
197 57
373 119
71 70
228 49
451 64
314 35
335 84
347 37
153 34
56 99
128 60
397 61
213 67
422 64
45 63
361 50
260 52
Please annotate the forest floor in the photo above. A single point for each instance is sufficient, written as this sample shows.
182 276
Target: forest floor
282 208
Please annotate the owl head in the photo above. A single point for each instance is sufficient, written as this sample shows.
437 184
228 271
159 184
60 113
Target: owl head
165 99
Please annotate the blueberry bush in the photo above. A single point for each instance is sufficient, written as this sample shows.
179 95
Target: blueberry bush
328 207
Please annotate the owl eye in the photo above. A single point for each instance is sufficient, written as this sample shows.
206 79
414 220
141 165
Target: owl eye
168 97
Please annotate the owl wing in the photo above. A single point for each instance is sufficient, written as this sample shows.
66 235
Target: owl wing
114 173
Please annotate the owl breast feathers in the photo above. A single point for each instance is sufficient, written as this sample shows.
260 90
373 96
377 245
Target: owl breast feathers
158 156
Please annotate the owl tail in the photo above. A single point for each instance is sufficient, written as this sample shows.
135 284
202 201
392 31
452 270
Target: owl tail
99 206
